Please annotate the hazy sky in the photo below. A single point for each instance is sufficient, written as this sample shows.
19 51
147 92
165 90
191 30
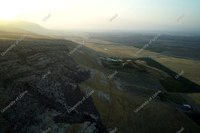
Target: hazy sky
96 14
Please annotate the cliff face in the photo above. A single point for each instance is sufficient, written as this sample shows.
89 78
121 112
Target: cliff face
40 89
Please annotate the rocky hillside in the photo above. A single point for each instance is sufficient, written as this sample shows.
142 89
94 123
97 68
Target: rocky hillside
39 89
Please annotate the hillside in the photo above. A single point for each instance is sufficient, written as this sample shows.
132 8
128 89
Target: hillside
39 83
22 27
97 88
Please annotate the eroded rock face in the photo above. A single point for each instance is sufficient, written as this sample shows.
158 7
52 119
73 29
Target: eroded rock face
50 79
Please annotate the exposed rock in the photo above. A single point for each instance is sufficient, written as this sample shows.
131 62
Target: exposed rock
49 97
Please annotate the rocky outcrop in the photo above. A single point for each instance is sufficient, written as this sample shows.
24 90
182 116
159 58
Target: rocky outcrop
51 80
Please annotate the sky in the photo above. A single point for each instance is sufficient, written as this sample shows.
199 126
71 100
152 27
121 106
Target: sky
131 15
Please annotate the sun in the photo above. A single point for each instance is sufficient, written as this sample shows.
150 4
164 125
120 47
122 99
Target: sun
7 16
10 9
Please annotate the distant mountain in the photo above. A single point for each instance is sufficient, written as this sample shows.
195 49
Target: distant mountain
22 26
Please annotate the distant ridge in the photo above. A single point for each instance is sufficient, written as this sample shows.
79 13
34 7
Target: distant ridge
22 26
